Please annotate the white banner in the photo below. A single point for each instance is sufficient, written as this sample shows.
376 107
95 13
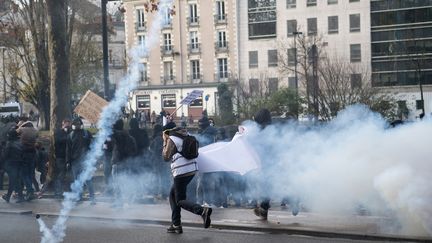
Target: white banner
235 156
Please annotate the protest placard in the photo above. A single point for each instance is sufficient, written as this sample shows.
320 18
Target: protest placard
90 107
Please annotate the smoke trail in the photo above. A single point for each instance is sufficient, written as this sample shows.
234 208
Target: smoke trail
108 117
353 162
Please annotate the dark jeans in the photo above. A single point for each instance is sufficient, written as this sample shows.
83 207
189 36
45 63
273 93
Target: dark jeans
177 199
14 183
59 175
27 171
76 171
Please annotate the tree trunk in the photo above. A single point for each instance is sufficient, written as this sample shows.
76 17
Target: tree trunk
59 70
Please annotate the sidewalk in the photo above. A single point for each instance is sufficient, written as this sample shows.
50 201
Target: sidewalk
280 221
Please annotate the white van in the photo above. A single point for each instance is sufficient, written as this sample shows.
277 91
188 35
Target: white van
10 109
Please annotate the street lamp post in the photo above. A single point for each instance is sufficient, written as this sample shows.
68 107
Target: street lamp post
105 48
296 33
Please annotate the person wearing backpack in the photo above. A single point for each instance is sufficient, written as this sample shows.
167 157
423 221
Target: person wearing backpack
77 146
182 150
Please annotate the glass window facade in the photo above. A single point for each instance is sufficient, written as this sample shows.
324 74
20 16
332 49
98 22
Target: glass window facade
262 18
401 35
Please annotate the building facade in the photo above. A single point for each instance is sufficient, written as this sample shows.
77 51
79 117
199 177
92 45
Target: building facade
196 50
269 32
401 40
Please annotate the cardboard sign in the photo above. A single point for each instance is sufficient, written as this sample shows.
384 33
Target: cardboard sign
191 97
90 107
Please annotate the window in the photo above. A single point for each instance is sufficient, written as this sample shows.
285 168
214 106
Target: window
168 71
222 43
273 85
220 10
140 18
356 80
198 102
167 42
143 72
329 2
262 18
194 39
168 101
143 101
141 41
291 4
355 53
312 26
193 13
167 18
253 59
223 68
310 3
272 58
351 1
291 56
292 82
333 24
195 69
354 22
253 85
291 27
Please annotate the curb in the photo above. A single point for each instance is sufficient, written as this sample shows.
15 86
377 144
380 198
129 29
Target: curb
272 230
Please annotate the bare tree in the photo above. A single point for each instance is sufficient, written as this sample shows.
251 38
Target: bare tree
329 83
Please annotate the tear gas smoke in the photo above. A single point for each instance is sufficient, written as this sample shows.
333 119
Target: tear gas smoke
108 117
353 162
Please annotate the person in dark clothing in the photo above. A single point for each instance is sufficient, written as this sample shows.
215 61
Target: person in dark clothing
107 166
207 183
263 118
124 148
183 171
61 137
41 165
77 146
161 170
28 135
12 156
142 144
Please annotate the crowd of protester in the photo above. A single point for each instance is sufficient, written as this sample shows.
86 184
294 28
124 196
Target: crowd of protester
133 152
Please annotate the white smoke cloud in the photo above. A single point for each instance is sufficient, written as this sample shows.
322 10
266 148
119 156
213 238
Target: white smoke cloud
353 162
108 117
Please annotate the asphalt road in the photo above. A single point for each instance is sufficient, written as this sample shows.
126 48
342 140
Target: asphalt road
24 228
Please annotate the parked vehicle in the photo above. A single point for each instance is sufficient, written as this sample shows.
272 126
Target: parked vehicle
10 109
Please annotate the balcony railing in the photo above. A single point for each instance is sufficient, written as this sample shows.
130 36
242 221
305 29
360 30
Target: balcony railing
194 48
141 27
167 25
223 76
193 21
167 79
220 19
195 79
221 46
167 50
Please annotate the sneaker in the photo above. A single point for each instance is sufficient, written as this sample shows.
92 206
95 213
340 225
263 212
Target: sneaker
260 212
6 198
175 229
206 216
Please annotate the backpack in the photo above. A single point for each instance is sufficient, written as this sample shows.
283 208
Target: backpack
190 147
